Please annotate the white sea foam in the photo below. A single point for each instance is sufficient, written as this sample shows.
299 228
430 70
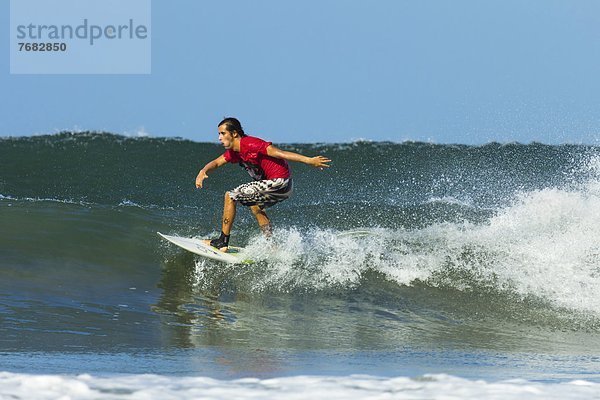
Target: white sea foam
545 245
139 132
42 387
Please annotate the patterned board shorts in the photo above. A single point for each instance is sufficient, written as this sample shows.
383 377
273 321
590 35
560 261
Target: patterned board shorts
262 193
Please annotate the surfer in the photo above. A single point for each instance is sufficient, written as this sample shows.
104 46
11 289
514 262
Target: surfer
266 164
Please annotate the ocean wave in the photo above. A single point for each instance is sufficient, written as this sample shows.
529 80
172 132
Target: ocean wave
543 247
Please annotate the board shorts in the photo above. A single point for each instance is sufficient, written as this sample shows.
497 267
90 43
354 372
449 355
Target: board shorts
263 193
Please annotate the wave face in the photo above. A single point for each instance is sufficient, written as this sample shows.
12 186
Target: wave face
397 244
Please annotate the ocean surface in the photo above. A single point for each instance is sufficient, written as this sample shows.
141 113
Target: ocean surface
406 270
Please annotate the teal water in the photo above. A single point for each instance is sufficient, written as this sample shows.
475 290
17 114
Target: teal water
480 262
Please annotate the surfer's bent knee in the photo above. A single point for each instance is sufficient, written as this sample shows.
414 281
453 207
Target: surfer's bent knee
228 197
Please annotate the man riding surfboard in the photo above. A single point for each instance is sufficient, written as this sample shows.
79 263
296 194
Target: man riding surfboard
266 164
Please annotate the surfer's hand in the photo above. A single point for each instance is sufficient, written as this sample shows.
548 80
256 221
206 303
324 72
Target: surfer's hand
200 178
320 162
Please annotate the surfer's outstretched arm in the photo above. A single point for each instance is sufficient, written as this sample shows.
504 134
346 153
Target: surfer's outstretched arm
214 164
317 162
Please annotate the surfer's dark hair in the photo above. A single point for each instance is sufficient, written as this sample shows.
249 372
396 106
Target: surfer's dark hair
232 124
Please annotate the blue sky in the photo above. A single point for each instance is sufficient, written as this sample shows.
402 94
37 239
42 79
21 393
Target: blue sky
338 70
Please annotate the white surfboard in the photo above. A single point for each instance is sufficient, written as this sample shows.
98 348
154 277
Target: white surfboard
233 256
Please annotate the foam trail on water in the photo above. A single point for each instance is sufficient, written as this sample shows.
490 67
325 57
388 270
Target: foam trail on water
545 245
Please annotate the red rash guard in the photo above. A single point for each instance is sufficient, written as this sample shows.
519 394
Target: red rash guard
253 157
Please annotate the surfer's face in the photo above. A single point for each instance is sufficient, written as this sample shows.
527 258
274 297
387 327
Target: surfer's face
225 137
